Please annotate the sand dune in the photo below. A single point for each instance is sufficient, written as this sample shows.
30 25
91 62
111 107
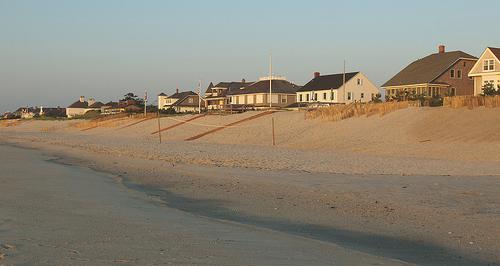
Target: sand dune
414 141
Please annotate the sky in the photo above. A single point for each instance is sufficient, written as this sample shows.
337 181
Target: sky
51 52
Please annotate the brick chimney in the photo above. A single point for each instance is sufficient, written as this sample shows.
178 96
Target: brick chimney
317 74
442 49
177 90
82 99
243 81
91 101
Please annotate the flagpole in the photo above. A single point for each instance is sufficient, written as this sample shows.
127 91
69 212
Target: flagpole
199 97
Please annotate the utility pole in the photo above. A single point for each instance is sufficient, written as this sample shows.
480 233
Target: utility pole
343 84
145 102
271 81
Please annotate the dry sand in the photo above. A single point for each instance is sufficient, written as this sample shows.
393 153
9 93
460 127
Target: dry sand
420 185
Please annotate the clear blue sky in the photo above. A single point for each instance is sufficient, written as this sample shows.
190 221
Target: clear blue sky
51 52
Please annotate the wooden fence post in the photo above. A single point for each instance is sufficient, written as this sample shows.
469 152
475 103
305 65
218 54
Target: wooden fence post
159 126
274 141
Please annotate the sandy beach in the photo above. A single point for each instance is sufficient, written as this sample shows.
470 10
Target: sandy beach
418 186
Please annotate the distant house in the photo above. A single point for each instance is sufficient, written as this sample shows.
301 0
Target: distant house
27 112
486 70
165 102
80 107
52 111
111 108
32 112
216 96
256 95
331 89
190 103
440 74
9 115
186 101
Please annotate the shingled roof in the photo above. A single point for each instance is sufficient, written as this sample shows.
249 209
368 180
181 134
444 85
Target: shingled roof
230 85
327 82
185 101
279 86
495 51
181 95
79 104
427 69
96 105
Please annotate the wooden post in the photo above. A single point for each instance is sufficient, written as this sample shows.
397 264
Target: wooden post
274 141
159 126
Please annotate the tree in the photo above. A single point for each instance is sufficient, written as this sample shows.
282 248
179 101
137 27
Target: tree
489 89
130 96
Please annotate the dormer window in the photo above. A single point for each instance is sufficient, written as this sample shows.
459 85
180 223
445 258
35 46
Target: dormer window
489 65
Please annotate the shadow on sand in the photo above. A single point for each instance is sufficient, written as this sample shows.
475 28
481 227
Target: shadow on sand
417 252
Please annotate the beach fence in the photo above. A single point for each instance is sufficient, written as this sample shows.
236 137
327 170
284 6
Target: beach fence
472 102
101 121
341 112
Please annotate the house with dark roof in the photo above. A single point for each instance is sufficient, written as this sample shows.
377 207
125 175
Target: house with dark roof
111 108
216 95
337 89
486 70
190 103
165 102
186 101
257 94
440 74
80 107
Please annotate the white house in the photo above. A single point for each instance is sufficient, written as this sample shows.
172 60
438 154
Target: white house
80 107
330 89
486 70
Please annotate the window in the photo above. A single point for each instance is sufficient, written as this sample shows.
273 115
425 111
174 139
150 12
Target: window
349 96
362 95
332 96
324 96
459 74
360 82
190 100
489 65
300 97
453 92
315 96
452 73
283 99
307 97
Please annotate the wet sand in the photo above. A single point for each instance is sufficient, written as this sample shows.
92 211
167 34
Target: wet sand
59 214
320 207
